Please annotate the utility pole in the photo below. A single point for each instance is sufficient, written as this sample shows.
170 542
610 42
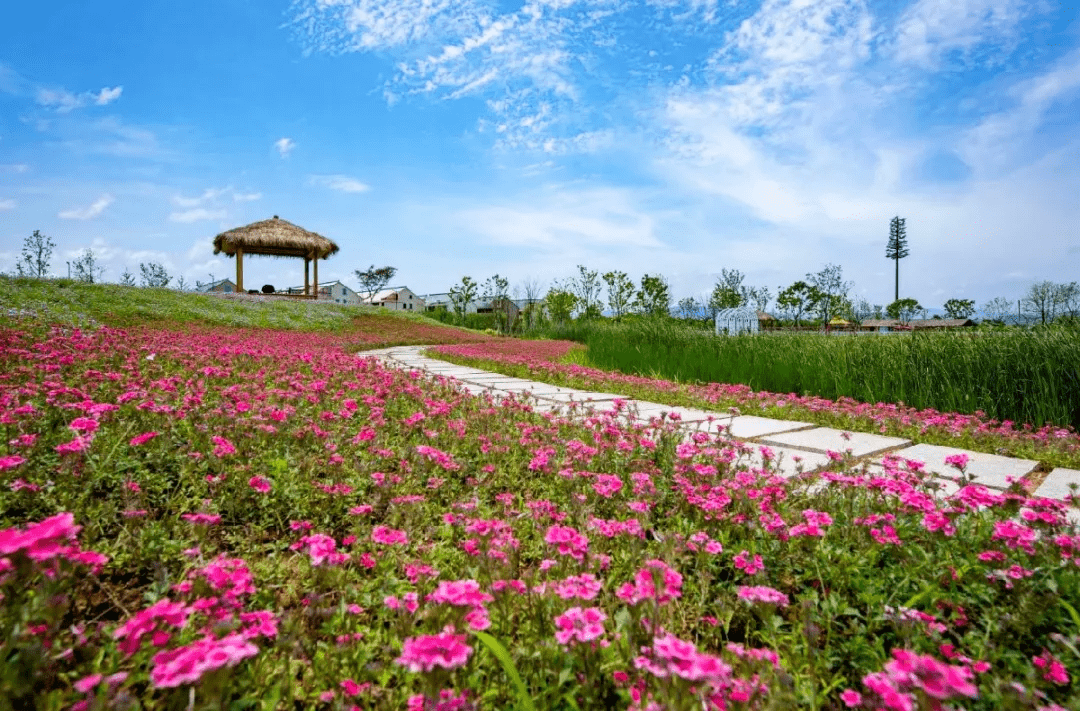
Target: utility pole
896 248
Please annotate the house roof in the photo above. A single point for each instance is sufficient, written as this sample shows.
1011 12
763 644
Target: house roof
321 284
219 282
386 294
918 323
276 238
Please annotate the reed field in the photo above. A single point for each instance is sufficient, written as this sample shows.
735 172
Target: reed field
1026 376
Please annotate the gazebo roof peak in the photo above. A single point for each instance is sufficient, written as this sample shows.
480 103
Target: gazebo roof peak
274 237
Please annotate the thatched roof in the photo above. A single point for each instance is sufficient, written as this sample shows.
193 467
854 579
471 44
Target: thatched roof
274 237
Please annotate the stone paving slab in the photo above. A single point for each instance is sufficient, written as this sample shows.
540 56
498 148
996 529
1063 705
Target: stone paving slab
988 469
537 389
789 460
824 439
1056 484
493 377
581 396
472 389
750 426
648 410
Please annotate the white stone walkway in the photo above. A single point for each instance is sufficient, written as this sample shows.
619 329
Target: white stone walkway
793 443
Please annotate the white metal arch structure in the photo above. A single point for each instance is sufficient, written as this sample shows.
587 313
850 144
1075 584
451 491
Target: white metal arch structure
734 321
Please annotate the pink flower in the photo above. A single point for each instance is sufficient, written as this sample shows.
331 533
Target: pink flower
851 698
654 581
222 446
142 439
580 625
761 593
441 458
749 566
584 586
570 541
259 484
957 460
88 683
186 665
607 485
10 462
85 425
79 444
202 519
1054 669
322 549
424 653
389 536
462 593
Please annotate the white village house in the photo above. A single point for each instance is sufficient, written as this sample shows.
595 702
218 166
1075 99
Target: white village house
333 291
396 298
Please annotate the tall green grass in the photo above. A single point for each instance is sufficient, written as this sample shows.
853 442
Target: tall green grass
1027 376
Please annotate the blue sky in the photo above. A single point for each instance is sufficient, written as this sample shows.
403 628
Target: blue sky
473 137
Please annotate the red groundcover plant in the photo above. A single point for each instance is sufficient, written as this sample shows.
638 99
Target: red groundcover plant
240 518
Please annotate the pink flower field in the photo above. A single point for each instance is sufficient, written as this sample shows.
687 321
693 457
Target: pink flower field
251 519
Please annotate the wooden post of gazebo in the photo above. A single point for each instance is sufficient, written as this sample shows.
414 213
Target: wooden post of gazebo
276 238
240 269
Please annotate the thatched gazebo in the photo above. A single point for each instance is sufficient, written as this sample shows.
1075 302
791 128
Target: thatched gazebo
275 238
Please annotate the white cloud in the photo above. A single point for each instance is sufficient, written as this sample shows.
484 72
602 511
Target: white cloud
14 167
208 195
246 197
930 29
341 183
284 146
107 96
1004 139
564 220
64 101
89 212
60 99
7 204
197 215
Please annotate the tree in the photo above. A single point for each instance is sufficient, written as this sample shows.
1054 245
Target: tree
373 280
1045 301
531 287
183 284
759 297
86 267
154 275
620 291
896 249
831 288
692 308
654 298
959 308
861 310
461 295
728 293
127 278
496 292
903 309
797 299
587 288
560 303
36 256
997 309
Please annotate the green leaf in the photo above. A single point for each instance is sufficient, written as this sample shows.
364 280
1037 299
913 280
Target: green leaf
1072 612
524 700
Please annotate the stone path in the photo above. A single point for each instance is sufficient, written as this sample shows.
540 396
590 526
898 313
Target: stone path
793 443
